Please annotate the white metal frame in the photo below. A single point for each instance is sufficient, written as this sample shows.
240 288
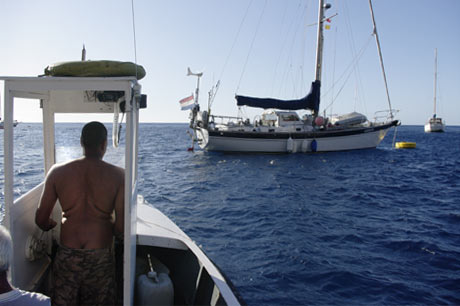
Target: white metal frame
65 95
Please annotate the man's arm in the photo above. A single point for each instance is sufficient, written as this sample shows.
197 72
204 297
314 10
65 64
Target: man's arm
120 208
46 205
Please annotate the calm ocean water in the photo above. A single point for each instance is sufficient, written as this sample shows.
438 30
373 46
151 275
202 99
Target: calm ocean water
377 226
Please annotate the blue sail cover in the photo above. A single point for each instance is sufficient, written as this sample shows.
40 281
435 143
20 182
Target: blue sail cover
311 101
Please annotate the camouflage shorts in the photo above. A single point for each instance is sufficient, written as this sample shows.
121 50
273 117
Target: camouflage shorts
83 277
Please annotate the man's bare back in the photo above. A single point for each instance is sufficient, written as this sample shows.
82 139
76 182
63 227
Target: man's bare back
91 194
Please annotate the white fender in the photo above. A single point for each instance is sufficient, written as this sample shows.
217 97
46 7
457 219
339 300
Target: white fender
304 146
290 145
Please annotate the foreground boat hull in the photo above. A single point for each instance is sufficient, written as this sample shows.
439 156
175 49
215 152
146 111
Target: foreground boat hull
284 142
196 279
151 241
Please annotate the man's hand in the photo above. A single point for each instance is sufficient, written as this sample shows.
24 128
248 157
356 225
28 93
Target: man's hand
51 224
47 225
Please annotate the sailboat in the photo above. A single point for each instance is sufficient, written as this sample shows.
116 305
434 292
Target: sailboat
435 124
280 129
157 263
15 123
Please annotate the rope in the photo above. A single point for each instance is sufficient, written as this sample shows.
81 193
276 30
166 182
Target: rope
394 137
134 35
252 44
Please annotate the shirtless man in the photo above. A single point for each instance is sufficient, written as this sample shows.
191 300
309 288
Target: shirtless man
90 192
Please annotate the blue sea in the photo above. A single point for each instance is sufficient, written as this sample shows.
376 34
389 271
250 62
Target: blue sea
379 226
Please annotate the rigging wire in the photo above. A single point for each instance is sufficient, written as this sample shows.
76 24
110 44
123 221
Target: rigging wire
348 70
303 52
235 40
283 45
439 97
281 49
333 69
357 72
252 44
117 125
288 71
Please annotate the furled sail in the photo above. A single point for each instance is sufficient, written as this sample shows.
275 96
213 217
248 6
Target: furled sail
310 101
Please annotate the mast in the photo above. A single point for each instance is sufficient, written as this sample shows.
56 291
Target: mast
435 79
381 57
198 75
320 39
319 43
83 53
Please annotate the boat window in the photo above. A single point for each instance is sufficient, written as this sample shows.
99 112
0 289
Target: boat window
290 117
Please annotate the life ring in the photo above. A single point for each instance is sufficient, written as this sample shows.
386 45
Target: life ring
101 68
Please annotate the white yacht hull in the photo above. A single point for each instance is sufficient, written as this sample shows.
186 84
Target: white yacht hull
272 142
431 127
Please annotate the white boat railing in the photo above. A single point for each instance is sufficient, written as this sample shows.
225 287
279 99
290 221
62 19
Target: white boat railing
384 115
225 120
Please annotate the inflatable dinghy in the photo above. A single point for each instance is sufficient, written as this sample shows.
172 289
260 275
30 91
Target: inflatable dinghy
95 69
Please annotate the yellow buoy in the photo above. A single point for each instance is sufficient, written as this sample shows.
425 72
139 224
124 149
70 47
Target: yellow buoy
405 145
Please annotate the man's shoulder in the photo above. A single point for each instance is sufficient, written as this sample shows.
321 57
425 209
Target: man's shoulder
58 170
65 165
62 169
116 170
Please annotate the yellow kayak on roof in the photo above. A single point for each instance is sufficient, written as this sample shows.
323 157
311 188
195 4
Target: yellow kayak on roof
101 68
405 145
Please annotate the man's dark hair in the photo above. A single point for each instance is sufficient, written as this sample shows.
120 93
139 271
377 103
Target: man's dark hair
93 134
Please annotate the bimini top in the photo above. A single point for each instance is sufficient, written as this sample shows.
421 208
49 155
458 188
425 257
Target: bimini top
310 101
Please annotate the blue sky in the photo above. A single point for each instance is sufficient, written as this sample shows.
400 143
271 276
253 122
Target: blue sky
216 37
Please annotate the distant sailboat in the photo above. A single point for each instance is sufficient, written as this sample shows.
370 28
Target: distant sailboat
15 122
434 123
